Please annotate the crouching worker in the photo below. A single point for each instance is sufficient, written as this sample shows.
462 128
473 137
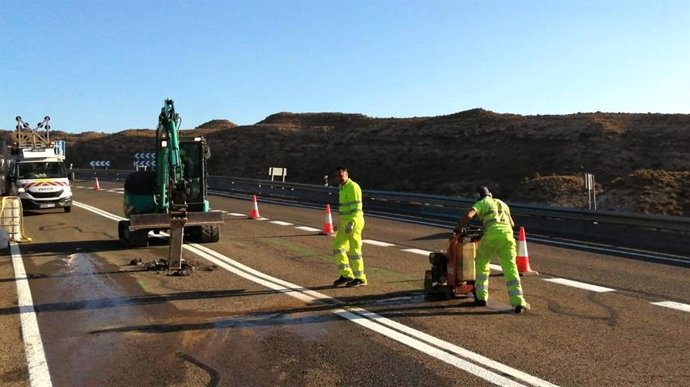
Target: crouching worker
497 241
347 246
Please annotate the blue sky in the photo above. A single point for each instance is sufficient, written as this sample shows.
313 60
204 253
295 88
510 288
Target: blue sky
107 66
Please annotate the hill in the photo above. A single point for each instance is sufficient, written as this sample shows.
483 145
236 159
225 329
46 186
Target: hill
640 161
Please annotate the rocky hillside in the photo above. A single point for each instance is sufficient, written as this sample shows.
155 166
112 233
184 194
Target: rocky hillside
640 161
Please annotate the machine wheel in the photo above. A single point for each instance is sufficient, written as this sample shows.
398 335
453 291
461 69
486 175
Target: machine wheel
427 282
204 233
123 232
68 209
210 233
137 238
449 293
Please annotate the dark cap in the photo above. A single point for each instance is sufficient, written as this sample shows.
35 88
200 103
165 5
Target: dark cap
483 191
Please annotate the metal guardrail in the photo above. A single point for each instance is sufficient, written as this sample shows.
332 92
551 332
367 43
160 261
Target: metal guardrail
664 233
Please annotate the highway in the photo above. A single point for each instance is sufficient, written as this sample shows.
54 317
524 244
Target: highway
259 309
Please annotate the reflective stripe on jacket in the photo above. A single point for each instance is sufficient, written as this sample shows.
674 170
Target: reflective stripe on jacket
350 201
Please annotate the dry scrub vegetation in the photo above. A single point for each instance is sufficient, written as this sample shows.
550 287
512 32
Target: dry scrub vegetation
641 161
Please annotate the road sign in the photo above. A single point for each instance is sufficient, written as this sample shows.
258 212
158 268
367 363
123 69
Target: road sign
275 171
144 163
100 163
144 156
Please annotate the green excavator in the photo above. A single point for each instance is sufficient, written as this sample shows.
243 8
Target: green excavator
174 196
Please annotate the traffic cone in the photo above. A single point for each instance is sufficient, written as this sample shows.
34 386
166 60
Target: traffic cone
522 256
328 223
96 186
254 214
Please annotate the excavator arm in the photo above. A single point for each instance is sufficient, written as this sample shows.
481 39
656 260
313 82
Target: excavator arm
172 187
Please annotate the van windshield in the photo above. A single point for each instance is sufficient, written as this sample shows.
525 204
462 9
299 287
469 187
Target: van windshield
41 170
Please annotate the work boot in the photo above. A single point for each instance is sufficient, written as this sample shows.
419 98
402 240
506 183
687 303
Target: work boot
355 283
522 308
341 281
479 302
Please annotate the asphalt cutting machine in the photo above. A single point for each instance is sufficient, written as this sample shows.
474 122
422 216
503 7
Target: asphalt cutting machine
452 272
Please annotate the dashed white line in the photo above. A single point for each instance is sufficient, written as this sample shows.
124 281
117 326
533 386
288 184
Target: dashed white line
377 243
581 285
673 305
418 251
305 228
280 223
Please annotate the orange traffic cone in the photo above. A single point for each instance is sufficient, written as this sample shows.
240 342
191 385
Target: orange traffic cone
328 223
522 257
96 186
254 214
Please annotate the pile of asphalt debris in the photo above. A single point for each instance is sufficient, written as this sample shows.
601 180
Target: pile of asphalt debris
161 265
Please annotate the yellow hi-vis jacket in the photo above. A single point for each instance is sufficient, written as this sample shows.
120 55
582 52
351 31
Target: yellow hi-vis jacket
350 202
495 216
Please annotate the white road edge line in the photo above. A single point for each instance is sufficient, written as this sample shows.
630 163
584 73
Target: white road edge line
421 341
39 374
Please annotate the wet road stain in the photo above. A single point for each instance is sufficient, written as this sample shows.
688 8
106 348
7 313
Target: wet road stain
611 318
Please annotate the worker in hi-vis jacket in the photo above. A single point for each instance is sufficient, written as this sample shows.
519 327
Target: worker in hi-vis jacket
497 241
347 246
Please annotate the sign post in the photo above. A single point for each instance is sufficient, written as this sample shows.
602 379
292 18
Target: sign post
590 186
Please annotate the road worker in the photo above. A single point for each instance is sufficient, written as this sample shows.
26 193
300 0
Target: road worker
497 241
347 246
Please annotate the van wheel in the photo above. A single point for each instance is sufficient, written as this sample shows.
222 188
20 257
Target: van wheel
68 209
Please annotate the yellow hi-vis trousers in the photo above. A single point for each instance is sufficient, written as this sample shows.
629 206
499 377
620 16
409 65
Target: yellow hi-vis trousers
501 246
347 249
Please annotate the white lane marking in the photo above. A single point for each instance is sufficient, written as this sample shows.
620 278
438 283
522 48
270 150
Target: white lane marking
418 251
237 214
384 326
280 223
305 228
581 285
39 374
673 305
495 267
459 350
377 243
398 332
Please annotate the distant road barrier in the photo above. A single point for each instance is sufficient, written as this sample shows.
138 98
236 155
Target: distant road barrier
668 234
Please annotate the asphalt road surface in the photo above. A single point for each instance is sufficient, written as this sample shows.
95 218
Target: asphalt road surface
259 309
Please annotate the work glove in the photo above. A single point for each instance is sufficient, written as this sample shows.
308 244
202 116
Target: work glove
348 229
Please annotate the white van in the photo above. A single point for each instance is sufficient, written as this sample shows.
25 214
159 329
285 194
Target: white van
39 178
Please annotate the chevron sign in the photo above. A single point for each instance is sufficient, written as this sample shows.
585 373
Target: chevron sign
99 163
144 163
144 156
